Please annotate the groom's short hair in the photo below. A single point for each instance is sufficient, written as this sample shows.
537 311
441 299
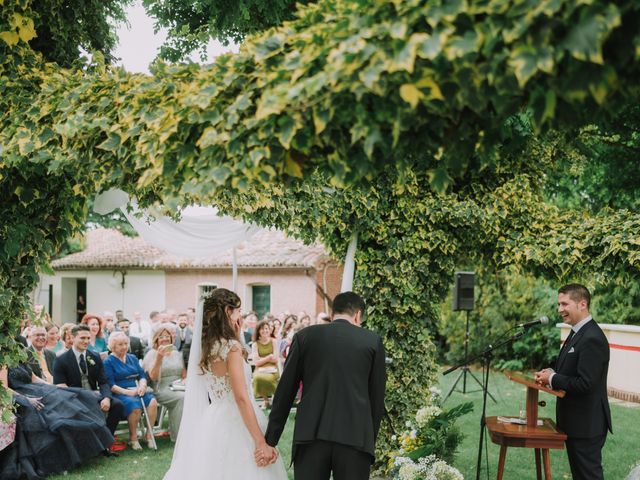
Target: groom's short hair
348 303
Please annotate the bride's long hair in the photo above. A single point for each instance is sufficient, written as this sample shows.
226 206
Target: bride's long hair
215 321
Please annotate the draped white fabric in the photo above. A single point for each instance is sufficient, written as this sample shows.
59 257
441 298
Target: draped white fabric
195 235
192 236
198 235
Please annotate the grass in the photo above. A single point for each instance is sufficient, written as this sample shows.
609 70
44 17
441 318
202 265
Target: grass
151 465
621 452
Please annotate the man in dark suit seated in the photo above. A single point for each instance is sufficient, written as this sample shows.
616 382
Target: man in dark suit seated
342 370
184 335
581 371
135 344
82 368
42 360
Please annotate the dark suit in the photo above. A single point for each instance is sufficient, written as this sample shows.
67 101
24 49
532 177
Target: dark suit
342 369
583 414
49 358
66 370
184 346
135 347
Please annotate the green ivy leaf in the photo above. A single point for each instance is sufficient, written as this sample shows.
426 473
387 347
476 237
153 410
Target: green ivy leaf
111 144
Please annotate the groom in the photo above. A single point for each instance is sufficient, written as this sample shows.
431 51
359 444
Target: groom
342 370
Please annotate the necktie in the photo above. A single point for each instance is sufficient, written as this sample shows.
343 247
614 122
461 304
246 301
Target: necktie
43 366
566 342
83 364
182 335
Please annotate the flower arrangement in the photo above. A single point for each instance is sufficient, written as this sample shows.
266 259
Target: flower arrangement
426 468
428 445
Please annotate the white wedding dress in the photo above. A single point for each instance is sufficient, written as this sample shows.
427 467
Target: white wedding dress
215 443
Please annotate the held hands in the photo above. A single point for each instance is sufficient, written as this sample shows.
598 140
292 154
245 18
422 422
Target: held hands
142 389
105 404
265 454
542 377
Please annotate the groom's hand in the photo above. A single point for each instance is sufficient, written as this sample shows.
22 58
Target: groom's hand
273 456
265 455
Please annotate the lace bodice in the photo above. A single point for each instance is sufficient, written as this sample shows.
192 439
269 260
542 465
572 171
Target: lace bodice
219 386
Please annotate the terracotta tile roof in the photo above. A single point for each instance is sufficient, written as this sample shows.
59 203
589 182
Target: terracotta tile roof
108 248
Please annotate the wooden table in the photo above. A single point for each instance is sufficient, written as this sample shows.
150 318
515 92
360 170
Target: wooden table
541 438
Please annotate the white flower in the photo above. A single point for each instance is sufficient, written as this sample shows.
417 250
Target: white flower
435 392
394 438
407 424
408 471
425 414
442 471
413 433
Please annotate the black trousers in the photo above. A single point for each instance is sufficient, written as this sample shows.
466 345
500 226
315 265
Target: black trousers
115 414
585 457
317 460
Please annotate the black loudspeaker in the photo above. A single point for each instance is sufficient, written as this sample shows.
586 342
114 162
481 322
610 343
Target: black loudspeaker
463 291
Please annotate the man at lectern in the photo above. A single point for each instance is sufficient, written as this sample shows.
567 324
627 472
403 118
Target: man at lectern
581 371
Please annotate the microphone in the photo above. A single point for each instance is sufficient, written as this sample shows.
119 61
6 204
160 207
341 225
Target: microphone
542 320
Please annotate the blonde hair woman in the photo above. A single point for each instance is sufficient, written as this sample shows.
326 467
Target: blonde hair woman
165 367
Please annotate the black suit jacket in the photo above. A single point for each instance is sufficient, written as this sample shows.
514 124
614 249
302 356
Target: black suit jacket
49 358
66 370
184 347
135 347
581 371
342 369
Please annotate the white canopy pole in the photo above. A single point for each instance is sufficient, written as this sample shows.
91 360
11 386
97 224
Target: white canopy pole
349 265
235 271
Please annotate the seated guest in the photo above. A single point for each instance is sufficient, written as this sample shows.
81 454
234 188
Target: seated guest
265 358
135 344
96 325
183 336
66 337
41 362
82 368
140 328
53 338
164 365
57 429
109 328
120 367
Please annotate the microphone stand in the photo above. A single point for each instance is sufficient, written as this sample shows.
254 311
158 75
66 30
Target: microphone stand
486 356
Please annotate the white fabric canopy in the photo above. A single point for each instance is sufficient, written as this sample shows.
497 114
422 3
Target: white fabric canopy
199 232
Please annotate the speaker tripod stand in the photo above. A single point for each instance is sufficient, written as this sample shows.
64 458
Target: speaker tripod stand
464 371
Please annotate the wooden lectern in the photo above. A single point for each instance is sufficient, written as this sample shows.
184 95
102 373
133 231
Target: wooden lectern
540 437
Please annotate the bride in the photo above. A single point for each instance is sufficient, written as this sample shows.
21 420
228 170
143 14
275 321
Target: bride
222 427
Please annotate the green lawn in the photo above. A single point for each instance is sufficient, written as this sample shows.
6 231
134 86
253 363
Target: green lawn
148 464
620 454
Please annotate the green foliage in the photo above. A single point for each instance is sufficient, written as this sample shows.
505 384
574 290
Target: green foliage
597 168
504 299
431 432
404 121
190 25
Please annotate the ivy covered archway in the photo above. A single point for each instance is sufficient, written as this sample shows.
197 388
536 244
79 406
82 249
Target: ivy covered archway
417 124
